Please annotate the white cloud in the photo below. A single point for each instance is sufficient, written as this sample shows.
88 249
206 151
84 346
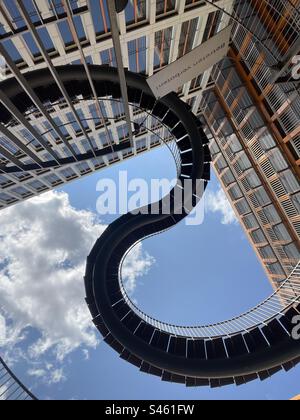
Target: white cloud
37 373
217 202
44 243
57 376
86 354
137 264
48 375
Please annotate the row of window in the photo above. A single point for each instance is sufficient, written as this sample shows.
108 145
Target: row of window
136 12
51 179
266 213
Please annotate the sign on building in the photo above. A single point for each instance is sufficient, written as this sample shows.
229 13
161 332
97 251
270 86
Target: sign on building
191 65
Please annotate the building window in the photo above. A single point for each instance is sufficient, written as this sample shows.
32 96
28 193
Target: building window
276 269
289 181
162 50
47 41
136 12
187 37
278 161
165 6
266 141
100 16
266 253
137 55
16 18
282 233
262 197
66 33
242 207
258 236
31 45
271 214
250 221
292 252
12 51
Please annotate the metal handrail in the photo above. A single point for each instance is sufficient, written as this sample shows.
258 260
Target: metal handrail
11 388
260 315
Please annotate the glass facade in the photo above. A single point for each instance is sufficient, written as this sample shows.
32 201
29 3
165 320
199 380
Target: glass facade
153 35
254 127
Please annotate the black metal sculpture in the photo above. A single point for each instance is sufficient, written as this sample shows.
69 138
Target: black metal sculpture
254 345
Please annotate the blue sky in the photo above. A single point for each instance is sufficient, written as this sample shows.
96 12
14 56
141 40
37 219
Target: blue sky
198 275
